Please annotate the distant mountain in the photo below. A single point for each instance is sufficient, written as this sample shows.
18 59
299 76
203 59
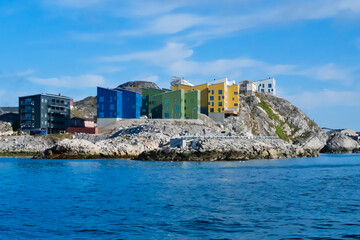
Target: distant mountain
85 108
137 86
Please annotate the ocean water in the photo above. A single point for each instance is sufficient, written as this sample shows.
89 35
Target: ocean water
314 198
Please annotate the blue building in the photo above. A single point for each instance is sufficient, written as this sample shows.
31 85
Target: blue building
114 104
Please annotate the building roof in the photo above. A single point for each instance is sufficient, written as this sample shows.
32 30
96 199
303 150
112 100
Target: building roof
48 95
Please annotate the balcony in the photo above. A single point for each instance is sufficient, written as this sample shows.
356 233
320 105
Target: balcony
25 103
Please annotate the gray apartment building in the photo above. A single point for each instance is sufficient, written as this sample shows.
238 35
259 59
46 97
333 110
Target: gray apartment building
44 112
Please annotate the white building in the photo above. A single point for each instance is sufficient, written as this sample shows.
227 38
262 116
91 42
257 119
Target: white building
247 87
175 81
266 86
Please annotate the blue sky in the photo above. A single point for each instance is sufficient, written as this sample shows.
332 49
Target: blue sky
311 47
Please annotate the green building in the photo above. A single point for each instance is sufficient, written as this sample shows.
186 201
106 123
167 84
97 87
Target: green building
171 104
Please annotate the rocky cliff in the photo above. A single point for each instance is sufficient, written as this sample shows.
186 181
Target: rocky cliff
268 115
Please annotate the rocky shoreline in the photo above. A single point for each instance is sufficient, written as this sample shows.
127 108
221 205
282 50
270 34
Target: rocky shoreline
149 139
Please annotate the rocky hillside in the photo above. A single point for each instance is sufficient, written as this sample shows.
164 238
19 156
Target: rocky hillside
85 108
5 128
268 115
137 86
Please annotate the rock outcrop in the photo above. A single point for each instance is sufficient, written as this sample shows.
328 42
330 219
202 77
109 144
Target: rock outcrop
268 115
340 143
5 128
229 150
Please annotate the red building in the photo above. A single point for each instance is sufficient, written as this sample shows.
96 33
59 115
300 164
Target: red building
83 125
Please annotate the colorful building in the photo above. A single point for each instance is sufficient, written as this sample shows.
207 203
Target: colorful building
247 87
44 112
169 104
217 98
82 125
266 86
116 104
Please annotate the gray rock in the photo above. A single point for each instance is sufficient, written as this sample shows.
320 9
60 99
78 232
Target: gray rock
340 143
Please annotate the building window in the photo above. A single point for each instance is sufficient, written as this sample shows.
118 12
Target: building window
167 108
111 98
176 108
166 101
211 109
112 107
175 115
102 106
175 100
208 91
222 97
220 92
235 104
270 85
101 99
166 115
236 93
219 109
219 98
220 104
101 115
212 104
212 91
195 108
211 98
262 90
233 99
209 103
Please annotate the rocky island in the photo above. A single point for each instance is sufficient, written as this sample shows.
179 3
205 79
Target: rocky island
295 135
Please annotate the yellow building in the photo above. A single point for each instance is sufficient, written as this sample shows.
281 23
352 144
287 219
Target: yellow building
218 96
203 94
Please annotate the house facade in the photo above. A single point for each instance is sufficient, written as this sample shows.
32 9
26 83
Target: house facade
45 112
168 104
217 98
266 86
82 125
247 87
116 104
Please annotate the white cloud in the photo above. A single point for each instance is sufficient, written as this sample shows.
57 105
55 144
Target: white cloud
17 74
83 81
329 72
326 98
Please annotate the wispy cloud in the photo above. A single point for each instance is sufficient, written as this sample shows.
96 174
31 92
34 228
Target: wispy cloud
325 98
83 81
175 59
159 18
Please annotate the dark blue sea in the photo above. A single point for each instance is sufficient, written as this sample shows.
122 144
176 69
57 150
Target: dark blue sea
313 198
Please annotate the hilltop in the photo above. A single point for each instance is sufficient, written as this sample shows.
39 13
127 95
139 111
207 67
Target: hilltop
137 86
